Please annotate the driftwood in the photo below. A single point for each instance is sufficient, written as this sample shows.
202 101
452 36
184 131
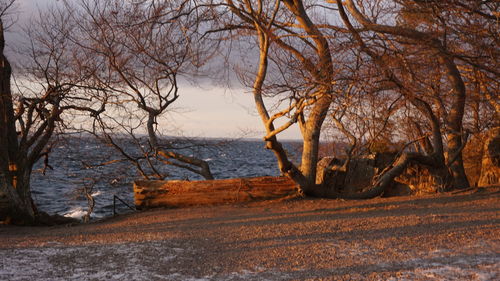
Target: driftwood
176 193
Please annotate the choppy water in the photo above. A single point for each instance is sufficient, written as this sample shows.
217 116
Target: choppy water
61 190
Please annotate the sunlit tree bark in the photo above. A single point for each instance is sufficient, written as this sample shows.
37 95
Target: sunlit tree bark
309 110
453 120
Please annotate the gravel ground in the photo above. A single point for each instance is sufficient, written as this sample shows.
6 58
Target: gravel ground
437 237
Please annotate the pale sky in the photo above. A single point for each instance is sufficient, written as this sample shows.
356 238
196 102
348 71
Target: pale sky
218 112
211 111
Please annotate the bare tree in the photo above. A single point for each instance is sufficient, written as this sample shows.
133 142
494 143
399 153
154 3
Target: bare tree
31 117
401 61
298 59
300 45
140 49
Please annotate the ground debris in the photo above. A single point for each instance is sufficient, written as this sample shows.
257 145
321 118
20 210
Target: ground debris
431 237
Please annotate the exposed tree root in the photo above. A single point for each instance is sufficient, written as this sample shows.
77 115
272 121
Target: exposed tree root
385 180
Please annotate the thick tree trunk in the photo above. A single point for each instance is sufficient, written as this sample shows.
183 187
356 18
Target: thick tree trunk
311 138
457 167
20 209
320 68
454 122
323 73
490 166
14 171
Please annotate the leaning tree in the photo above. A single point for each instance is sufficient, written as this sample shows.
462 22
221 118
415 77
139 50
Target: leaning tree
294 63
420 53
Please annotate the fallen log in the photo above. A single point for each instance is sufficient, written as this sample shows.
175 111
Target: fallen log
178 193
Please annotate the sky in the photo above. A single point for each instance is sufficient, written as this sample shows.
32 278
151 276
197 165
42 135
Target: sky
207 111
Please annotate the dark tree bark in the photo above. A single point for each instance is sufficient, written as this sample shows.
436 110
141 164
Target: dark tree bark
490 166
15 168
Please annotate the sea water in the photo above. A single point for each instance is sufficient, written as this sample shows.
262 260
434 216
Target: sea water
83 162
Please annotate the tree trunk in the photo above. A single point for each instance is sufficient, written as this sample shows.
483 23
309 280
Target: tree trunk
323 73
454 122
457 167
285 165
14 169
490 166
311 138
455 116
20 209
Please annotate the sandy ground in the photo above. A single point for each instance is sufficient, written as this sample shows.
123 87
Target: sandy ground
438 237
